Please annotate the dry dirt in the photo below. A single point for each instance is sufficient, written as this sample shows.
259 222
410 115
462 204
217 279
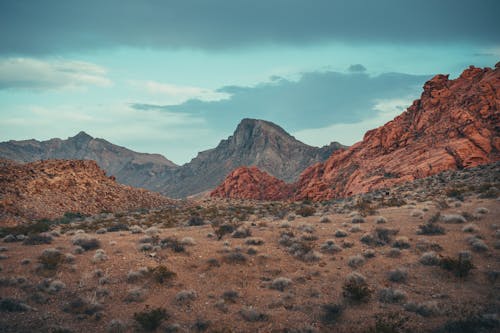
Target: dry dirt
298 306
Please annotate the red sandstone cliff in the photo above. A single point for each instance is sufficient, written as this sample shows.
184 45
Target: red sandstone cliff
251 183
455 124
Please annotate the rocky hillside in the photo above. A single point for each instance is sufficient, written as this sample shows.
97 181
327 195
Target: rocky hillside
251 183
127 166
49 189
454 125
254 143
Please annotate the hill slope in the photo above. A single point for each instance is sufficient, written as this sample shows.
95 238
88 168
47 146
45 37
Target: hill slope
48 189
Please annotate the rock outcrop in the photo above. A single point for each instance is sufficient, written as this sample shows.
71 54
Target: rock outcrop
454 125
48 189
252 183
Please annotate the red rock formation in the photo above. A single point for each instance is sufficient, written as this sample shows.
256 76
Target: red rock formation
251 183
455 124
48 189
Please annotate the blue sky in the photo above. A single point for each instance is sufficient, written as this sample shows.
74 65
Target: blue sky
176 77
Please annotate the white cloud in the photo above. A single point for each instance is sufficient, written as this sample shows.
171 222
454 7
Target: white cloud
176 94
35 74
177 136
384 109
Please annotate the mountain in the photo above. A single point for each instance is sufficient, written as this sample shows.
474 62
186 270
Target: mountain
127 166
454 125
48 189
254 143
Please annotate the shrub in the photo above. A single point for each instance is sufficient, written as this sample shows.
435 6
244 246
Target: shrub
356 288
392 322
398 275
358 219
135 295
470 228
305 211
188 241
242 232
99 256
162 274
340 233
195 220
117 326
223 229
252 315
356 261
281 283
368 253
172 243
401 243
453 218
431 227
478 244
325 219
12 305
380 220
482 210
185 296
152 231
37 239
230 296
254 241
150 320
50 259
80 306
235 257
56 286
417 213
86 242
390 295
329 247
425 309
430 259
135 229
460 266
331 313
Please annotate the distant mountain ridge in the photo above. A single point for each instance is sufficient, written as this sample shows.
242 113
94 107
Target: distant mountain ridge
254 143
129 167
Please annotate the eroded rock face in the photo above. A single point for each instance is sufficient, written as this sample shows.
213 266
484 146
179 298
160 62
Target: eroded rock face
48 189
454 125
251 183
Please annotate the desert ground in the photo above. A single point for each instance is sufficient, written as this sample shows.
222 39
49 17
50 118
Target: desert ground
414 265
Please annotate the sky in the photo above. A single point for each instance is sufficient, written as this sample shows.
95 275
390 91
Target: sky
176 77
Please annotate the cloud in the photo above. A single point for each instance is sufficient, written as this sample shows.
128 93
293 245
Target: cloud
177 136
55 26
383 111
315 99
34 74
177 94
357 68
